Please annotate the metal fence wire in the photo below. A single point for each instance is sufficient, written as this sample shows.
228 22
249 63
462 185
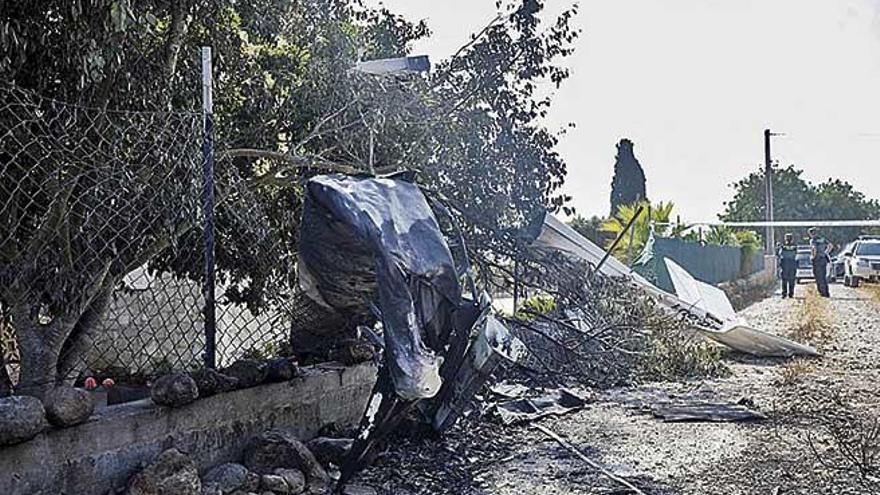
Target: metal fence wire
101 249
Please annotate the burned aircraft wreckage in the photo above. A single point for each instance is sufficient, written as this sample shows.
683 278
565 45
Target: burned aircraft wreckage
372 251
374 260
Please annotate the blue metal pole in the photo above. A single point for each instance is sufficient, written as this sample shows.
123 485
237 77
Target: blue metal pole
210 328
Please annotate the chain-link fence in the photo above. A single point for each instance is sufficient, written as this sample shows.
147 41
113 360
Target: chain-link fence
89 198
101 246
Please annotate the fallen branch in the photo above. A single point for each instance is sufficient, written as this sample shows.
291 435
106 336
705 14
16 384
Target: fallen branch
571 448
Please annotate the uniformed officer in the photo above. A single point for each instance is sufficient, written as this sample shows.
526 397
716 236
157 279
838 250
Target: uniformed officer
820 250
787 255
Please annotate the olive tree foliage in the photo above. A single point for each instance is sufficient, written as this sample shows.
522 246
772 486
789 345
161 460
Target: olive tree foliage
471 128
485 147
288 105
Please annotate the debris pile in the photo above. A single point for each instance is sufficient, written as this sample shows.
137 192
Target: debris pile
603 331
706 309
373 255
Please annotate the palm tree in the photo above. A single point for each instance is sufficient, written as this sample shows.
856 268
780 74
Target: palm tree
660 215
721 235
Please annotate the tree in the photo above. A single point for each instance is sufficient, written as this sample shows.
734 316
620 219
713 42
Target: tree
838 200
797 199
591 228
720 235
125 192
287 106
88 197
628 184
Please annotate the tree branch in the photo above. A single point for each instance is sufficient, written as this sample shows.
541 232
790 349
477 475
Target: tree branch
179 26
295 161
316 131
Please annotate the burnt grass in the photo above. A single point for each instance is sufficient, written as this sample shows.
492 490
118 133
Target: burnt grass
817 438
481 456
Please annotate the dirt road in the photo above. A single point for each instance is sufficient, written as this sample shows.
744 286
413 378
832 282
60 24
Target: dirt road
815 439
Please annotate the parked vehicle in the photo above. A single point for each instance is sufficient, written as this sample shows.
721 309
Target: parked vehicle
837 267
863 263
804 264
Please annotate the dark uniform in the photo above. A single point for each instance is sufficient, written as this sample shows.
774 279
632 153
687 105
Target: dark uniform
788 267
820 264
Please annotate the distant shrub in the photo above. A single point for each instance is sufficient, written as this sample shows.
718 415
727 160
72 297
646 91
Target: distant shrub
535 305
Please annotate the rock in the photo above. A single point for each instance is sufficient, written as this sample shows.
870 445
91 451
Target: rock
228 477
210 382
295 479
172 473
358 490
251 482
68 406
351 352
274 483
280 370
333 430
330 450
174 390
276 449
21 418
211 489
248 372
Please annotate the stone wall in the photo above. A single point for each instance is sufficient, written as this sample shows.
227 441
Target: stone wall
102 454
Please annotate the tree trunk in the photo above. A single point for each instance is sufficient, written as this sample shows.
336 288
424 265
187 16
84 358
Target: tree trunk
39 346
79 346
38 363
5 380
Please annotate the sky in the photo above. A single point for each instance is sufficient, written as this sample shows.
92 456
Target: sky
695 82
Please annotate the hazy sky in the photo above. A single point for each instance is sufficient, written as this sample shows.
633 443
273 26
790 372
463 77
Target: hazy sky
694 82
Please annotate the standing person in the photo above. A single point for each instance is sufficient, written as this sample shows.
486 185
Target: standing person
820 254
787 254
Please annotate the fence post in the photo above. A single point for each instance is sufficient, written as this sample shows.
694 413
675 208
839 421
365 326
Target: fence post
208 207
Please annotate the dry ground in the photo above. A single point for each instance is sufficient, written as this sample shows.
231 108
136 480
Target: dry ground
818 411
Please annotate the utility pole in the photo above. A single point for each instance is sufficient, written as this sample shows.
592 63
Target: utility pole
770 240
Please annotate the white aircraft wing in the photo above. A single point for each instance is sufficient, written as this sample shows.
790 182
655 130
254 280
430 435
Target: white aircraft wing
745 338
557 235
735 332
797 223
707 297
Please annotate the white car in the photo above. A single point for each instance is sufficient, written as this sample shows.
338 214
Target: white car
804 264
863 263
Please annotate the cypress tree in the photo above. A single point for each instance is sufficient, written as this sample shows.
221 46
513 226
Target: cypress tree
628 184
